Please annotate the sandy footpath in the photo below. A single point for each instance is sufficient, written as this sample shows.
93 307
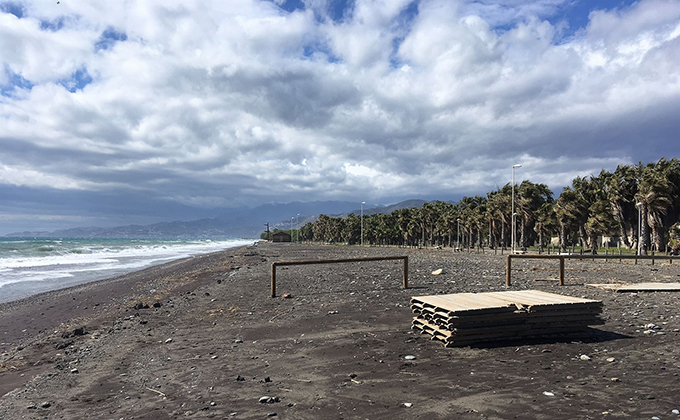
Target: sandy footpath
201 338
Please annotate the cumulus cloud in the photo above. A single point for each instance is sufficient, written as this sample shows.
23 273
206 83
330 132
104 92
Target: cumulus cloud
210 104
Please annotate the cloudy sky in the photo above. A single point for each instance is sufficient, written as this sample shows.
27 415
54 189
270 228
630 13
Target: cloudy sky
140 111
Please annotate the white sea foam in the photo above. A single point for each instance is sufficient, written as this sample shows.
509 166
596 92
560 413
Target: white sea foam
29 267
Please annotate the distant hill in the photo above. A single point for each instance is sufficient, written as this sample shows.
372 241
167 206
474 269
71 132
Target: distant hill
239 222
408 204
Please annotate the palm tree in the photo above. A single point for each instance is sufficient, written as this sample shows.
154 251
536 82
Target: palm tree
569 209
499 203
351 232
621 189
597 217
530 198
546 223
655 196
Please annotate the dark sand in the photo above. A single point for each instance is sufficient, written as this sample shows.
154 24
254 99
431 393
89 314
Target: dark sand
218 343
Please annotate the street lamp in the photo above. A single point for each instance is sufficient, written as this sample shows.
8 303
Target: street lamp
362 222
639 207
513 205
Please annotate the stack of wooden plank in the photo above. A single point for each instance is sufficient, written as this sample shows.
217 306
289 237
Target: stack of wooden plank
463 319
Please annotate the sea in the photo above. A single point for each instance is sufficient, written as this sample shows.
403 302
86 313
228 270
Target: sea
30 266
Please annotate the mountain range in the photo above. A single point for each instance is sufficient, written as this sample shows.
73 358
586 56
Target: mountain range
241 222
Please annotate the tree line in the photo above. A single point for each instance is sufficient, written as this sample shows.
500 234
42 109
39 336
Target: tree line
635 201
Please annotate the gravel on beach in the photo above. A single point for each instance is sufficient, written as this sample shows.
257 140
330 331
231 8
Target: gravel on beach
201 338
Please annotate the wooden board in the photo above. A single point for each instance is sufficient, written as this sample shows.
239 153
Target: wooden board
650 287
468 318
493 302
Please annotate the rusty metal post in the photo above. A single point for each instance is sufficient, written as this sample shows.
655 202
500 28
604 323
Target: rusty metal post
406 272
508 268
342 260
274 280
561 271
652 257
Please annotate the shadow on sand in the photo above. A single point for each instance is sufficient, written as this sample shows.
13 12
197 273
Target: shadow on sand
590 335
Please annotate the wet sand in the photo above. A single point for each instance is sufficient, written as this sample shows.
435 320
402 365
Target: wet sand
201 338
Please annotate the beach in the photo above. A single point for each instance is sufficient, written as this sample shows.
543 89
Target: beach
201 338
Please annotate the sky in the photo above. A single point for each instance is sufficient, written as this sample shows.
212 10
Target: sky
143 111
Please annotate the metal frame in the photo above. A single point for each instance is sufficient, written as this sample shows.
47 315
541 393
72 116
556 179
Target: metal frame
581 257
508 269
342 260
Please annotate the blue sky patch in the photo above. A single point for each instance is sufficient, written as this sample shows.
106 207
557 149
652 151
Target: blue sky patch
576 13
78 80
291 5
16 81
52 25
340 10
13 8
337 10
403 24
109 38
310 49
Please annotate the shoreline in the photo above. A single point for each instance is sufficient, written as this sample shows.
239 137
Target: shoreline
33 270
114 288
216 343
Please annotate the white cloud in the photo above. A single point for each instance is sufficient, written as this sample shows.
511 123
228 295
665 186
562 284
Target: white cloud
207 103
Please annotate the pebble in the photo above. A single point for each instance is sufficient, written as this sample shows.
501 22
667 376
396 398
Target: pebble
410 357
168 341
548 393
75 370
268 400
676 412
610 359
585 357
408 405
46 404
272 414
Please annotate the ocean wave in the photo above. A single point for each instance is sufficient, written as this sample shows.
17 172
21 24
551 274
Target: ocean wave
80 261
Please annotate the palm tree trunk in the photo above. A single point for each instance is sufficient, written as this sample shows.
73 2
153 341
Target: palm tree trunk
644 232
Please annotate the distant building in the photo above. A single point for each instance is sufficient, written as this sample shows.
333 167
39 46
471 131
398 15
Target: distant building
608 241
280 237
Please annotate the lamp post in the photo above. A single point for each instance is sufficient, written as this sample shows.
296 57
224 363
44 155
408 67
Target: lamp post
639 207
297 223
291 228
513 205
362 222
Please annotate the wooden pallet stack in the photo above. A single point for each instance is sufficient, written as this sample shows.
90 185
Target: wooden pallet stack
463 319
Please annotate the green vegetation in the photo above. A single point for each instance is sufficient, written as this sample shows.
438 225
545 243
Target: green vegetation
605 205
